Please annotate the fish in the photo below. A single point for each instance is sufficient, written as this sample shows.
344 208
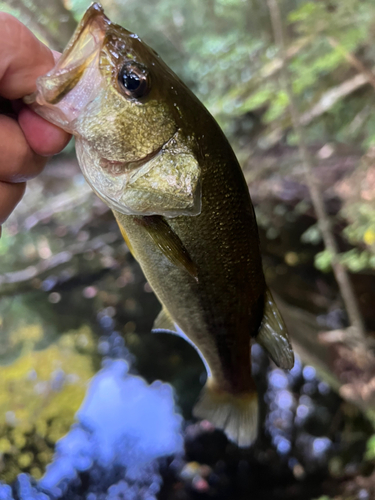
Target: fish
154 154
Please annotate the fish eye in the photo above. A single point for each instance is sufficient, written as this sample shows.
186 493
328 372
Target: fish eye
134 80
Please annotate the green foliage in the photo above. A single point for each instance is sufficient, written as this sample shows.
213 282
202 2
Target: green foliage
370 132
356 260
312 235
323 261
313 64
335 18
370 448
258 99
316 67
306 13
359 211
277 108
362 228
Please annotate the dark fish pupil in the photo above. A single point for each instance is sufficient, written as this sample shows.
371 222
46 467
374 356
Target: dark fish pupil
134 80
131 81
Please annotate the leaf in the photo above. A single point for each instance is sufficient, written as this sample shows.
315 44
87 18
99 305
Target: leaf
278 106
312 235
370 448
323 261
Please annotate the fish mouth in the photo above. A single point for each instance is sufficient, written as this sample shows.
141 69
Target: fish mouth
65 90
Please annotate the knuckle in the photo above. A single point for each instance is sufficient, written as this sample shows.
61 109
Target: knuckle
26 168
19 166
18 162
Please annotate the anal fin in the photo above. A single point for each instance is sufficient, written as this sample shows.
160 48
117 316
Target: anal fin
164 322
273 335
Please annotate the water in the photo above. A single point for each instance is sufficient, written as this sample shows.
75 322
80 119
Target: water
123 426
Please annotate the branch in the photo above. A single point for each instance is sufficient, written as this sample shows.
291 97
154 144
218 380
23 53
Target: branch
325 103
332 96
277 63
267 71
23 280
352 60
60 203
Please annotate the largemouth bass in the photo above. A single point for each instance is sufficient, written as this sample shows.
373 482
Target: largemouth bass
155 155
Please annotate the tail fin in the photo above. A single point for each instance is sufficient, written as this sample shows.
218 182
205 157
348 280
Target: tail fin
235 414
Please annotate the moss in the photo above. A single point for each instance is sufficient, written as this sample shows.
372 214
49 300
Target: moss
39 395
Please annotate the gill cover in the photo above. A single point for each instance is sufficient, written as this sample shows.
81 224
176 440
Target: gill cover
129 146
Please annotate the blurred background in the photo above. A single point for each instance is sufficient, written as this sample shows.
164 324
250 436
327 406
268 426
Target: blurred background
292 83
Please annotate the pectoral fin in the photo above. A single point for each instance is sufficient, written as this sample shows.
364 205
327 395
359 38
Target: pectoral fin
164 322
273 335
168 242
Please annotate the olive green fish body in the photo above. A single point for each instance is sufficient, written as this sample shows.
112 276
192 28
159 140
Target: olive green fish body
155 155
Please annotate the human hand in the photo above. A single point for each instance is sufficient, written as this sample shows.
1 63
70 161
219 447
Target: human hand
26 139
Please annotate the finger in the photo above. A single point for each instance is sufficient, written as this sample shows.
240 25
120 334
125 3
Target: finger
10 196
44 138
22 58
18 162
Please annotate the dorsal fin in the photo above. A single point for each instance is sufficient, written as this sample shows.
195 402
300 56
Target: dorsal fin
168 242
273 335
